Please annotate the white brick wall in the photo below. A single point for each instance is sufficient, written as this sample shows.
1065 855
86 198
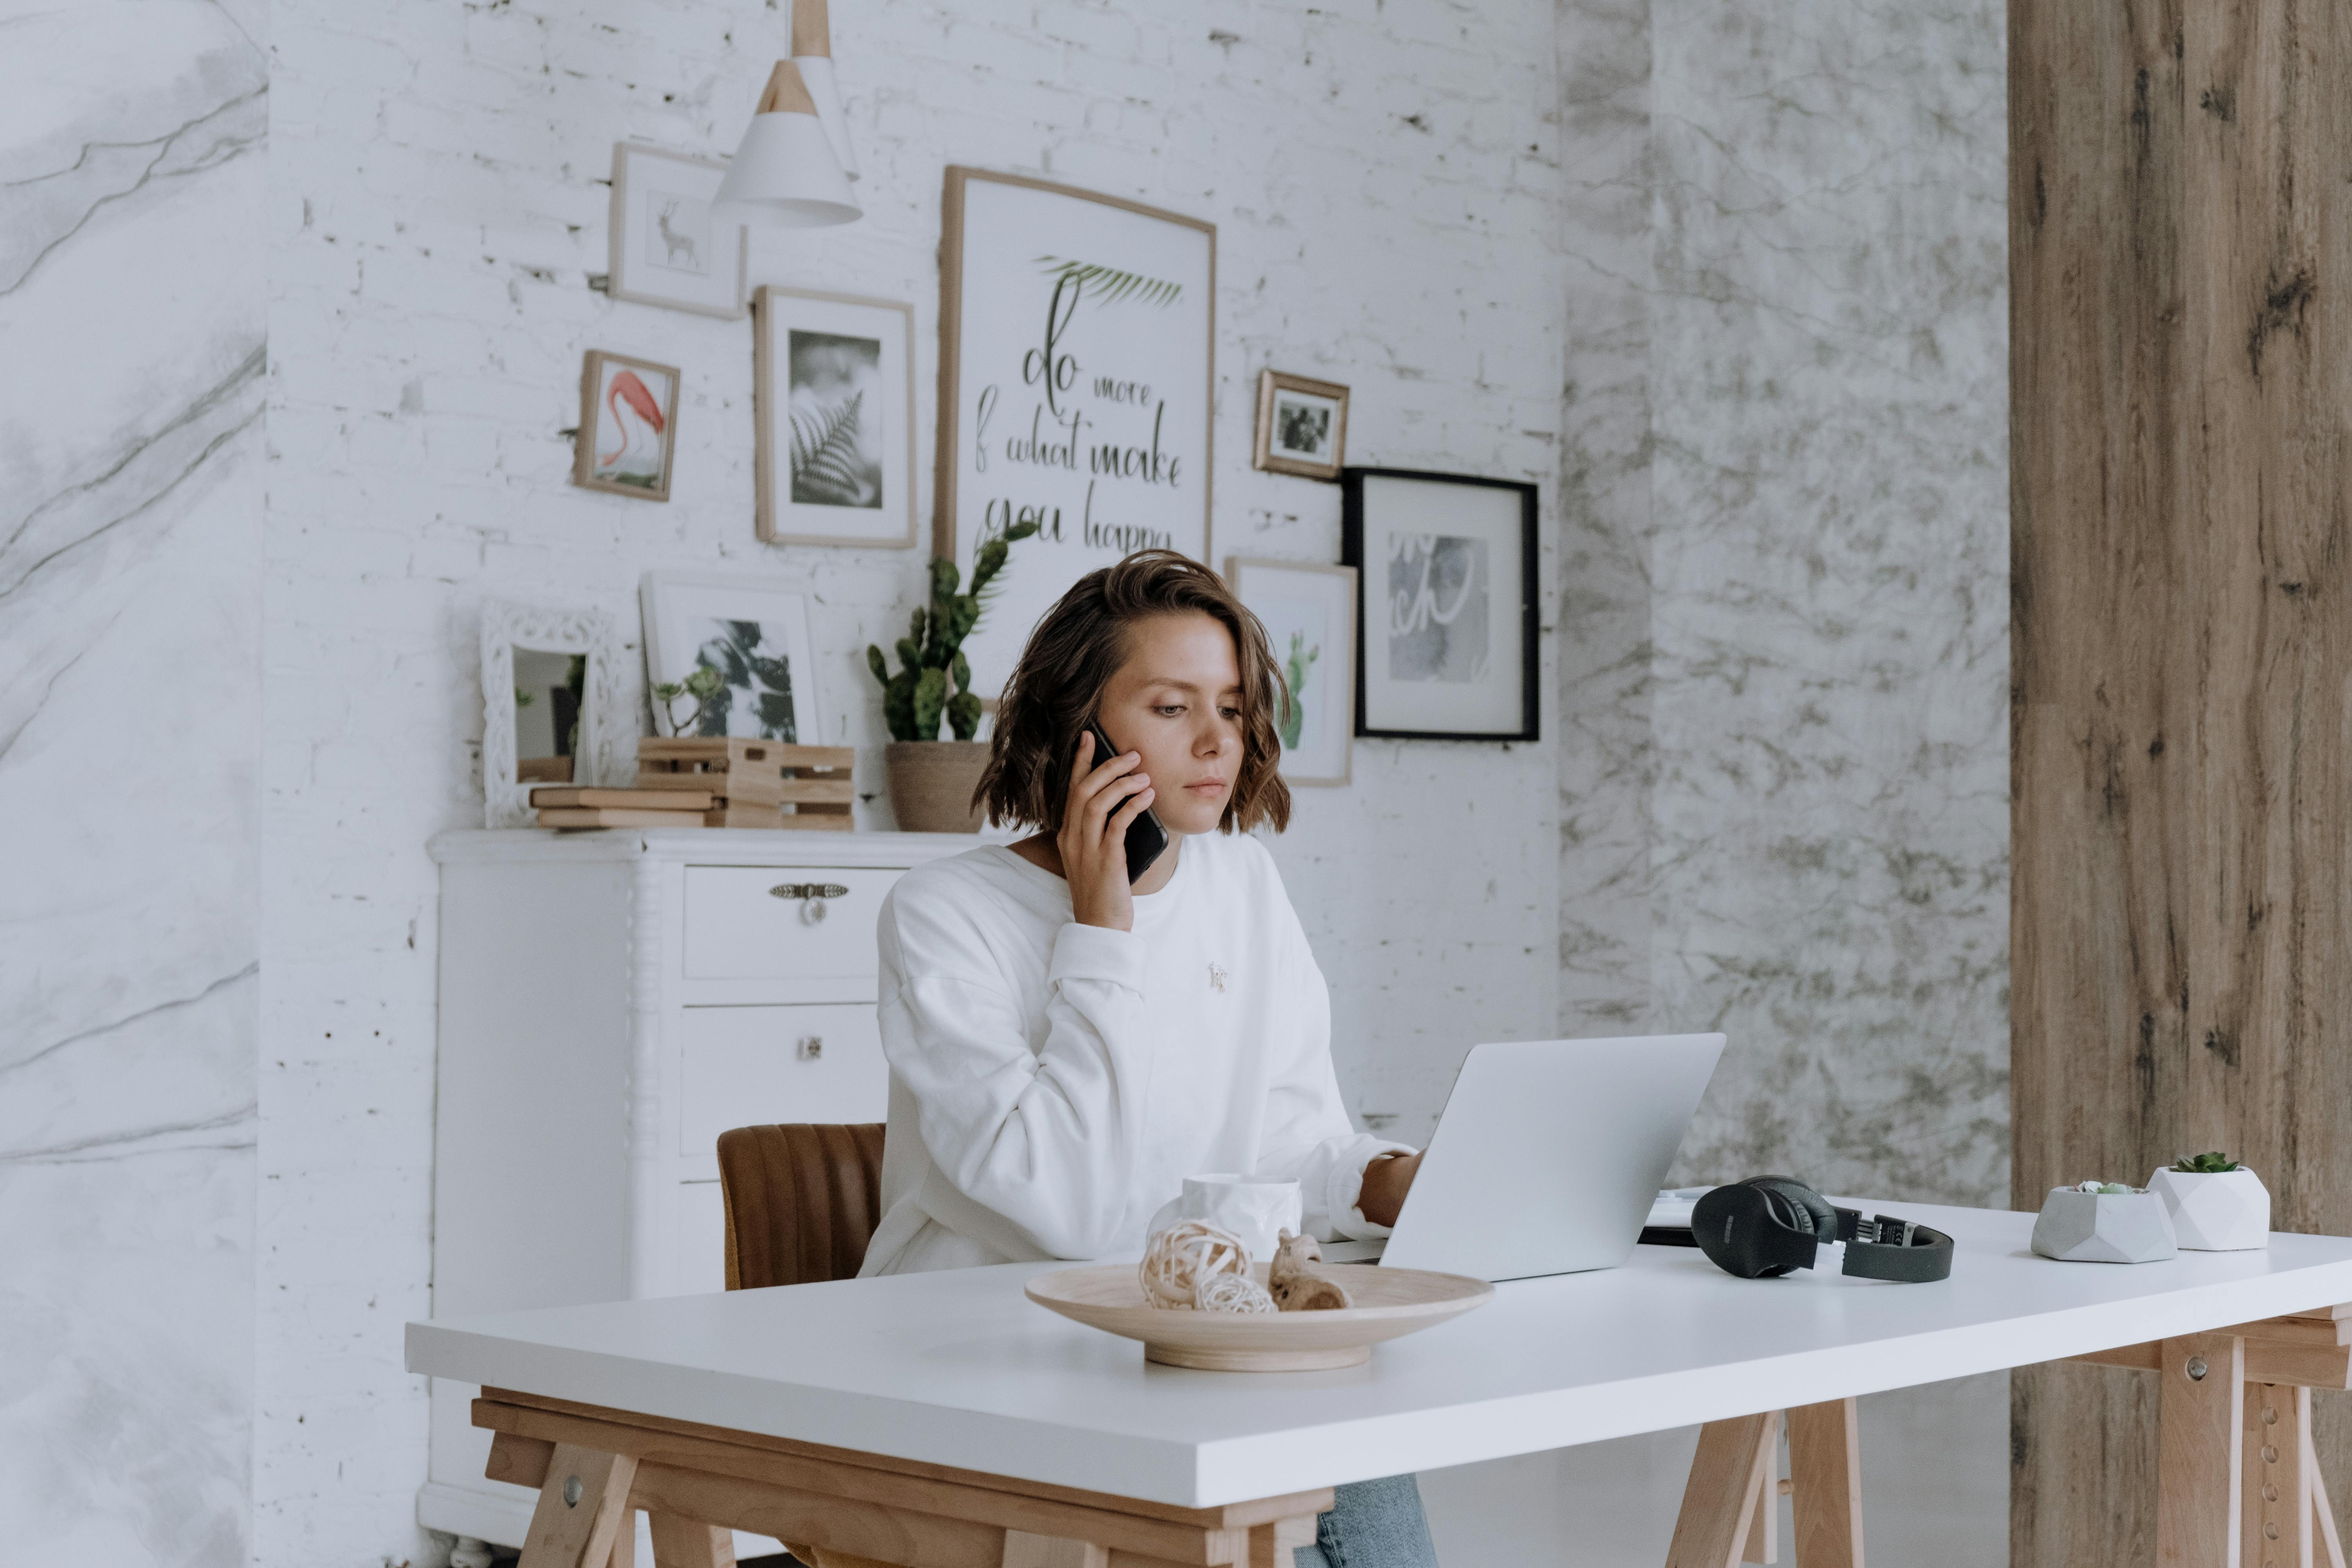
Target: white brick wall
1383 179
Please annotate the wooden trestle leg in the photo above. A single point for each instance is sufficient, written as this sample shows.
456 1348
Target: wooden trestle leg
1730 1505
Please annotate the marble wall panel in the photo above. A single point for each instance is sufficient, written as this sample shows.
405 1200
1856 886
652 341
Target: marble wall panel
132 322
1830 610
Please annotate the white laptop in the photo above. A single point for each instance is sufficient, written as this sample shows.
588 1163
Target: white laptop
1547 1157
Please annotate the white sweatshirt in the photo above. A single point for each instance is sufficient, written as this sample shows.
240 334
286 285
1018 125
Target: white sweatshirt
1052 1084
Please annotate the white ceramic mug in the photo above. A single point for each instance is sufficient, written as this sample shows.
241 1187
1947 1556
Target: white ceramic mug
1258 1212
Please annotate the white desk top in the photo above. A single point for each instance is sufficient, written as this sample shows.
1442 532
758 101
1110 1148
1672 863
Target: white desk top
959 1369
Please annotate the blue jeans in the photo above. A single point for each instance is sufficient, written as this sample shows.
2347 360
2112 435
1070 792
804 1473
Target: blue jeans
1372 1524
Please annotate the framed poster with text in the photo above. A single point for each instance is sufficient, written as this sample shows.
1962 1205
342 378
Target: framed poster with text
1077 339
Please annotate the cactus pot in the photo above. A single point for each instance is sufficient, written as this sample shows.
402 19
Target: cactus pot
2216 1211
931 783
2103 1227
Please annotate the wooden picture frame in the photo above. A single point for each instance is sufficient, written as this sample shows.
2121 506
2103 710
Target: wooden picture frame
813 356
1277 450
1118 301
1424 671
607 737
1309 611
666 245
610 412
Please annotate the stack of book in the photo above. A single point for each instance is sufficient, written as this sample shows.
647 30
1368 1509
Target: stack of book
751 784
574 805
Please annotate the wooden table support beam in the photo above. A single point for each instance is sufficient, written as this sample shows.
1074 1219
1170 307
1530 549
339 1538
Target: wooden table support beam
696 1489
1825 1480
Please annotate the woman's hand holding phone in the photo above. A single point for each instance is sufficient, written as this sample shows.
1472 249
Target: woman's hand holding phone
1103 801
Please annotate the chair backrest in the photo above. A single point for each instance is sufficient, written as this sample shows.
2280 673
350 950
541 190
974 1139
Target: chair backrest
801 1201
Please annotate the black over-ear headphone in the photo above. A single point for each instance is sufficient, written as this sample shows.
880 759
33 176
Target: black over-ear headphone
1768 1226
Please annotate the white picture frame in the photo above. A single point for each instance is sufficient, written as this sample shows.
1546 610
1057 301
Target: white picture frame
833 389
1308 611
1129 292
607 739
669 245
688 618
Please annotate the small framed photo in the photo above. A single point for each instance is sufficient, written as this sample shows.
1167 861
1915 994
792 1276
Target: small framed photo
1309 614
670 247
755 633
832 388
1302 426
1448 595
628 425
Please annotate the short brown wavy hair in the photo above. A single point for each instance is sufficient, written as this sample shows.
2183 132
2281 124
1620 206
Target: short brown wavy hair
1080 645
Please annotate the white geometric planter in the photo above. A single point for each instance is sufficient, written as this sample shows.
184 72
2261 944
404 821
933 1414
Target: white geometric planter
2215 1211
2075 1227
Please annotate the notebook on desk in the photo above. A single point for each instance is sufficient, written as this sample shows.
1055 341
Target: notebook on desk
1547 1157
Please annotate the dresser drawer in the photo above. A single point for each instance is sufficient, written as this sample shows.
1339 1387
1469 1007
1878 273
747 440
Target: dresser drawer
738 927
741 1066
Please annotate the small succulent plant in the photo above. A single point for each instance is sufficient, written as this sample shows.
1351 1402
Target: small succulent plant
2211 1164
2109 1189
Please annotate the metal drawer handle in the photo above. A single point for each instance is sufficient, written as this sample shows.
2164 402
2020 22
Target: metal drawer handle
808 891
811 1047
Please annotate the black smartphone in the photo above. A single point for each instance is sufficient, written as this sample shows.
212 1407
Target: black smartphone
1146 840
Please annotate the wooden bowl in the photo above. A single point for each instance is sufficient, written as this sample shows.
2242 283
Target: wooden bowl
1389 1303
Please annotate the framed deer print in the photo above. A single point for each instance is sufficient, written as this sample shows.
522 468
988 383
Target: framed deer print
833 389
670 247
1076 367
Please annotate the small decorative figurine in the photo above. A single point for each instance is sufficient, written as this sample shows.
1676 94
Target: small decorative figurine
1186 1257
1296 1287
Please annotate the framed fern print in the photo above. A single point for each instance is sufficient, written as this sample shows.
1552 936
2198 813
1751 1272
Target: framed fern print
1077 338
833 389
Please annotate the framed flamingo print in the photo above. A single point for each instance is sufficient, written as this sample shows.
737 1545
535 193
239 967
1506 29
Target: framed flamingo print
628 425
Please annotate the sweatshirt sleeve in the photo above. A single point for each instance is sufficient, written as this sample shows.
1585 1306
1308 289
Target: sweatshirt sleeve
1308 1137
1047 1138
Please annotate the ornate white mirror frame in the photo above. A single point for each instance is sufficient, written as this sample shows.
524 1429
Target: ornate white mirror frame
607 738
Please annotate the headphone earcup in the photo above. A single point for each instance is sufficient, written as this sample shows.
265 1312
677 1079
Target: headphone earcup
1814 1215
1736 1228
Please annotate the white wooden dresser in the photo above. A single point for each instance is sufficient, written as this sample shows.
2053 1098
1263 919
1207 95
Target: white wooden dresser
640 992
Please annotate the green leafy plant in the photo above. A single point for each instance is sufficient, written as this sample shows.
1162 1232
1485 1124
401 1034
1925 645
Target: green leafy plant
1294 709
931 653
703 685
2211 1164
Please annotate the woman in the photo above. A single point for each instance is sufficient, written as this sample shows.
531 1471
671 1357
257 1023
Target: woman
1064 1048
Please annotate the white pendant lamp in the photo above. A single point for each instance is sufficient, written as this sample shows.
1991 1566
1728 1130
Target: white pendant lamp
785 173
813 57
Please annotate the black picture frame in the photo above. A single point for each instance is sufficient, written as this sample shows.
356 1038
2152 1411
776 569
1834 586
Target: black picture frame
1371 626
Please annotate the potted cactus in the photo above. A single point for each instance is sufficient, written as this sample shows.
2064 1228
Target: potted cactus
931 779
2216 1204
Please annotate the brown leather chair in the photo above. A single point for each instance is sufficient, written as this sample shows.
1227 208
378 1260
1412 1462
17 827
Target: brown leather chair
801 1201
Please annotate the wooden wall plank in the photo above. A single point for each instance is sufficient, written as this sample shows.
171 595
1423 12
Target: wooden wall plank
2181 228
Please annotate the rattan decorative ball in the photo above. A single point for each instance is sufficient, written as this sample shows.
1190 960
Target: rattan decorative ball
1233 1293
1184 1257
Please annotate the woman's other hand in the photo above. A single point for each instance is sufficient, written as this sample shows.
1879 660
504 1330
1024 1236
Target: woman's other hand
1386 1181
1093 841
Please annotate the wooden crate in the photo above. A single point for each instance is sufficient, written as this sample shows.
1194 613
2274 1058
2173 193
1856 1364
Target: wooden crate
811 785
